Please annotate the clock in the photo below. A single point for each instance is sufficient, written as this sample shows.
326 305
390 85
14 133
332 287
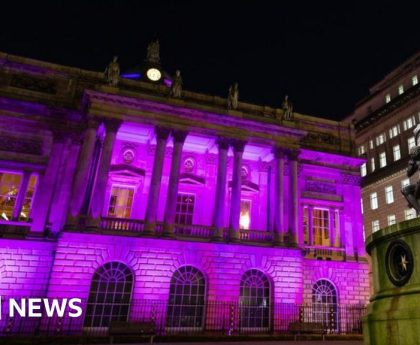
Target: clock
153 74
399 263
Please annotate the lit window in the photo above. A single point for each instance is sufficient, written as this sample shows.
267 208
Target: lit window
400 89
410 214
375 225
397 152
245 217
411 142
9 189
120 202
184 209
382 159
363 169
372 164
409 123
374 201
414 80
371 144
320 226
389 195
361 204
380 139
391 219
394 131
405 183
361 150
387 98
324 304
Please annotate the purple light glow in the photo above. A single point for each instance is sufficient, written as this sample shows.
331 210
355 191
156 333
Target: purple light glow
131 75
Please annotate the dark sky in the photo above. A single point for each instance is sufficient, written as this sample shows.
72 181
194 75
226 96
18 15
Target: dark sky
325 55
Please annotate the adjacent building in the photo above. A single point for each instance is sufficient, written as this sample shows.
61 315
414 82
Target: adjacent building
154 204
384 123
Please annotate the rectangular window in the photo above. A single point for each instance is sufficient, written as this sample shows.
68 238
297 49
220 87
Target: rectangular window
382 159
380 139
394 131
361 204
9 189
120 202
387 98
361 150
305 226
245 217
371 144
321 227
397 152
405 183
411 143
391 219
414 80
374 201
375 225
372 164
363 169
410 214
400 89
409 123
184 209
389 195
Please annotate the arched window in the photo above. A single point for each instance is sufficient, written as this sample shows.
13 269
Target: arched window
110 295
186 298
255 300
324 299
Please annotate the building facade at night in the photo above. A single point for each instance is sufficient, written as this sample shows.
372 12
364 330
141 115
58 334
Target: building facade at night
384 123
212 217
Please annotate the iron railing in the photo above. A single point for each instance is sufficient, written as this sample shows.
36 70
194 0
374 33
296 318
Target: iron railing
216 318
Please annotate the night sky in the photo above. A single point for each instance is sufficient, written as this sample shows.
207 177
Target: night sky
324 55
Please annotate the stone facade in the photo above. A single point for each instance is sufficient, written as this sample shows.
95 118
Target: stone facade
145 185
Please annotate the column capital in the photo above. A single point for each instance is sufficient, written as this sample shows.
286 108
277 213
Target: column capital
292 154
112 125
92 123
279 152
238 145
179 136
162 133
222 143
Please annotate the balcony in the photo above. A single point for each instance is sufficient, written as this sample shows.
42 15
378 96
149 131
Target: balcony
324 253
14 229
183 231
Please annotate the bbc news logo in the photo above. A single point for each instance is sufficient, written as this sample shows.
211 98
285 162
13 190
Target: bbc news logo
43 307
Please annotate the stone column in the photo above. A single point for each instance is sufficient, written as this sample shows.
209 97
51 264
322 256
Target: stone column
171 199
310 225
332 228
82 171
220 198
153 199
294 197
279 196
21 195
342 240
98 196
235 202
46 184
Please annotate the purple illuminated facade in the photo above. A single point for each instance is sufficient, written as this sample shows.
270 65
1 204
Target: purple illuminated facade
127 193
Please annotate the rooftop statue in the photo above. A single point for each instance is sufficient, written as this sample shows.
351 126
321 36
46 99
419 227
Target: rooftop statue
153 52
233 96
287 107
112 72
176 87
412 191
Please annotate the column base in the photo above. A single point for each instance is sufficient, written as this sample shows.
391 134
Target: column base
92 223
168 231
234 236
149 228
217 235
278 239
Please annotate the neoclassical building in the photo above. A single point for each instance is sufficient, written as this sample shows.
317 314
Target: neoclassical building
150 203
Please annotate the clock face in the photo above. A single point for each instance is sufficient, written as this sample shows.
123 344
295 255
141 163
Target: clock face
153 74
399 263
